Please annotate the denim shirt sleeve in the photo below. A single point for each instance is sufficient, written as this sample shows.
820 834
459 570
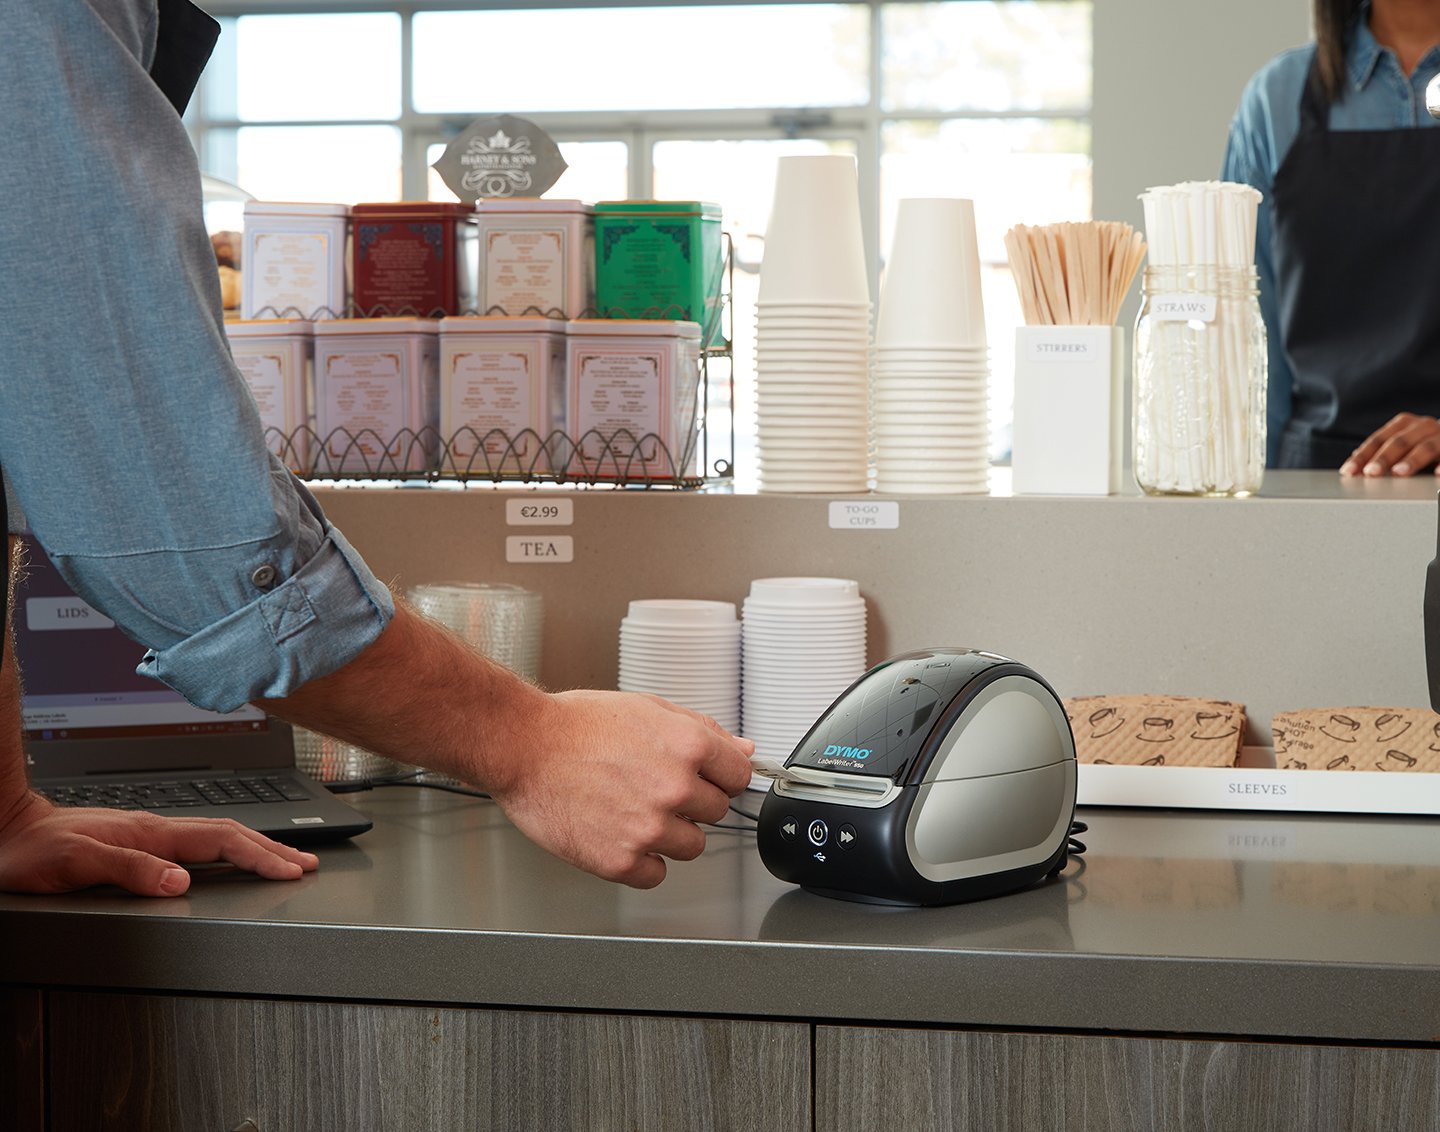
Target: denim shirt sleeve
126 432
1261 134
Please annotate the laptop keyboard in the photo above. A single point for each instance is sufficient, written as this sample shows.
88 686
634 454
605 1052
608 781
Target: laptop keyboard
176 794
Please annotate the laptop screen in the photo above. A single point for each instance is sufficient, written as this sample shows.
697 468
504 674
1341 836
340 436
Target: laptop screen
78 672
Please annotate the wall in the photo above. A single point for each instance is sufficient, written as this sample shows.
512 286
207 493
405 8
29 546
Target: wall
1168 76
1278 603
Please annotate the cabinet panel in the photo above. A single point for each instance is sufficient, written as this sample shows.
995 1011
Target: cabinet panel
22 1076
913 1079
130 1061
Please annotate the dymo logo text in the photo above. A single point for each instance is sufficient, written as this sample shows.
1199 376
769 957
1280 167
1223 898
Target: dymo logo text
849 752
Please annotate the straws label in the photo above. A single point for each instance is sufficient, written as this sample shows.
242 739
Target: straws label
539 512
539 548
1183 308
864 515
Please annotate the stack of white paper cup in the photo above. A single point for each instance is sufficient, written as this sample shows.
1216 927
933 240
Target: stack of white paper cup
503 621
687 652
813 332
804 644
931 368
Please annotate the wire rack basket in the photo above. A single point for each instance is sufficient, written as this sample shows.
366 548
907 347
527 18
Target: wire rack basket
619 459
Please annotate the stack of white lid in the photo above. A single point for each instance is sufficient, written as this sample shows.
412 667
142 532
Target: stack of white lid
931 368
812 364
685 651
804 644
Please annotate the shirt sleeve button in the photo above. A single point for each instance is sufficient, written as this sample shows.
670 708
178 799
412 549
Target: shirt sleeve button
263 577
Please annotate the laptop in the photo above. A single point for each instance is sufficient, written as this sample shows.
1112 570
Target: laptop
99 734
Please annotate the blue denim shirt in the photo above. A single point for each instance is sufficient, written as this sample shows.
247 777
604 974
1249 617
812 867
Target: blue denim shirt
127 434
1378 95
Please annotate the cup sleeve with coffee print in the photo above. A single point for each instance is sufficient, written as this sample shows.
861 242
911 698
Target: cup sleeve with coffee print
126 432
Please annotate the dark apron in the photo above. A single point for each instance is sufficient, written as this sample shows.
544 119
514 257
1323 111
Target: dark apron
184 40
1356 242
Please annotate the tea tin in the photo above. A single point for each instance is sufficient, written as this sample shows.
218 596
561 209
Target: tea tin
536 257
417 258
660 259
502 393
377 394
294 260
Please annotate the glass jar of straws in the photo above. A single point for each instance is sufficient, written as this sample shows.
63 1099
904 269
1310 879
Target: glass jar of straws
1200 381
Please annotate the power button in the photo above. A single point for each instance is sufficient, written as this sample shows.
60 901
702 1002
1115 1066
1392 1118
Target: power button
818 833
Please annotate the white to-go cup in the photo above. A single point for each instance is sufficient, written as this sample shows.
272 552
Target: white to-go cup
814 247
931 294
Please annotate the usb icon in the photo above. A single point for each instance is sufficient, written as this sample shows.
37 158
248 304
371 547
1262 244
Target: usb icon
820 857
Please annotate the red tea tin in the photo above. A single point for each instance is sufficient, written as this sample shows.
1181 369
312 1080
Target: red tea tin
414 258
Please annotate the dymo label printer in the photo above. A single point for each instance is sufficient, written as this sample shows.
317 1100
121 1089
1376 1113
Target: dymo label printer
940 776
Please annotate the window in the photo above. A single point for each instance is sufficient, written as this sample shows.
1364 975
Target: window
988 99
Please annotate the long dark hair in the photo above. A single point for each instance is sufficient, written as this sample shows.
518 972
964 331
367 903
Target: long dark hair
1332 19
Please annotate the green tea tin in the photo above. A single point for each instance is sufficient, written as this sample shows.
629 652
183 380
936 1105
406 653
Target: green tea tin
660 259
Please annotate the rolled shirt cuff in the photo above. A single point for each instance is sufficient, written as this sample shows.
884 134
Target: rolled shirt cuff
313 623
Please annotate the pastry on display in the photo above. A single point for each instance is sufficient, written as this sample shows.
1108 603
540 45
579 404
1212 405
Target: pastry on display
227 261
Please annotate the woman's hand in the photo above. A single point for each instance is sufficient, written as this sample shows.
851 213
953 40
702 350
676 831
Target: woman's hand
1406 444
46 848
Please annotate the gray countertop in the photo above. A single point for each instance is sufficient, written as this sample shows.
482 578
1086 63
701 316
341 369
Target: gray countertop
1212 923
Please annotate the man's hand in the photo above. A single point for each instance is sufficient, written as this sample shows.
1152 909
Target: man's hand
615 782
44 848
609 781
1406 444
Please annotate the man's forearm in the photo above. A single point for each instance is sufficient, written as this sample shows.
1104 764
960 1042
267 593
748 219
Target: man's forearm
420 695
609 781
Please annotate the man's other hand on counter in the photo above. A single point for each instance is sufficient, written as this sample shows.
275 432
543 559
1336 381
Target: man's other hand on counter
1406 444
612 782
44 848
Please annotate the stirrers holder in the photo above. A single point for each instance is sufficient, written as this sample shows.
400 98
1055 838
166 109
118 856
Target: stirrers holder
1069 410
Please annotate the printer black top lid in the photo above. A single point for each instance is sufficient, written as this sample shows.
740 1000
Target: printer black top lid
880 725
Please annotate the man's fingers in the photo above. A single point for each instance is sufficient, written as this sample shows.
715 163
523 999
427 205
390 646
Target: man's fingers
60 850
682 841
649 872
726 762
84 862
202 840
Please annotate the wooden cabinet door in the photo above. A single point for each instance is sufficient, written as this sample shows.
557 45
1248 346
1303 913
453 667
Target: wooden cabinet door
22 1067
185 1064
987 1082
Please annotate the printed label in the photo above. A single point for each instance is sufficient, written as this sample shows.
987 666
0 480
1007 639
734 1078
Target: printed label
539 512
864 515
1060 350
1183 308
539 548
44 613
290 275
